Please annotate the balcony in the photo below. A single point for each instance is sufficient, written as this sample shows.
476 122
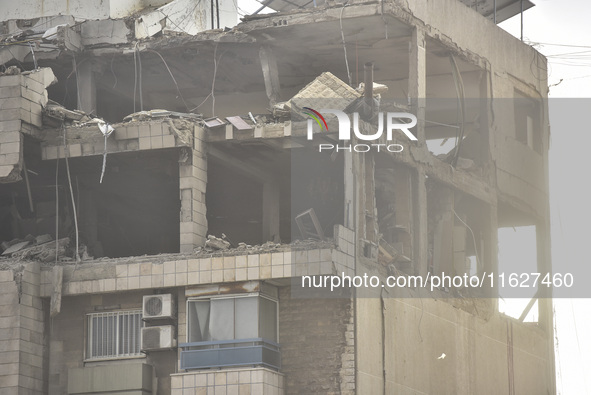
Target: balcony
224 353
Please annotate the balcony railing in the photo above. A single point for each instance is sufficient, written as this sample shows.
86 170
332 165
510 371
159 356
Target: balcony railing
213 354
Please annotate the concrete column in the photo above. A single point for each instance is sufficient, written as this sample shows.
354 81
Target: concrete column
193 184
86 86
417 79
421 241
271 74
22 363
21 99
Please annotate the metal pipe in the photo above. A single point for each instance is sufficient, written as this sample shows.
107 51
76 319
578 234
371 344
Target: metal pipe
495 11
521 20
368 79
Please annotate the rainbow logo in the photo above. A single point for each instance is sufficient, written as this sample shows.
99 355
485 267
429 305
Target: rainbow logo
317 117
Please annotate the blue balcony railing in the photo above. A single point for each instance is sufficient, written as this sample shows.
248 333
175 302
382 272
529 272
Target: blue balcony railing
214 354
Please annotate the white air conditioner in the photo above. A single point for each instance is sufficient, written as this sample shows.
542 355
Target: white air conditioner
158 306
158 338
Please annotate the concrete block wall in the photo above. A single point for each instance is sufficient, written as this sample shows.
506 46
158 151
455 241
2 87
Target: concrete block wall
106 277
131 136
21 99
22 326
248 381
193 185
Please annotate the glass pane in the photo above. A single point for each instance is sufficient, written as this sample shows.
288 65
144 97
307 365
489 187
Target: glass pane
268 319
246 314
198 321
221 325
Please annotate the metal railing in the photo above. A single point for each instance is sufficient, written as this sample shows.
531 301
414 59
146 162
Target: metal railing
222 353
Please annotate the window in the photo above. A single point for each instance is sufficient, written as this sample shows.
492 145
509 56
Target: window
232 318
114 334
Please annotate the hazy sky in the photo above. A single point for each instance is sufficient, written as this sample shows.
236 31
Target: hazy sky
565 23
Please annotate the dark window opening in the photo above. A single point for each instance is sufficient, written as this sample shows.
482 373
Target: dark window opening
135 211
248 193
317 182
458 233
393 194
527 121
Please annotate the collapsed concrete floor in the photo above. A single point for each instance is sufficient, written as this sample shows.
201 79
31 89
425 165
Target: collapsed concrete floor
151 164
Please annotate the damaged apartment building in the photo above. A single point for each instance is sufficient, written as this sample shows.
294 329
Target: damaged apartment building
161 200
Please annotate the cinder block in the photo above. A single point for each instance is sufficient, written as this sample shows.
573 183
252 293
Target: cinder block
144 130
204 264
9 91
229 275
133 282
10 137
10 103
155 129
133 269
75 150
10 126
12 114
217 276
169 280
9 148
217 263
193 278
31 84
87 149
145 143
168 141
156 142
10 80
169 267
133 131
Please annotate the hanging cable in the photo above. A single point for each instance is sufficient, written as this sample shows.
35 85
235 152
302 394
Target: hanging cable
345 44
66 153
459 84
171 76
57 208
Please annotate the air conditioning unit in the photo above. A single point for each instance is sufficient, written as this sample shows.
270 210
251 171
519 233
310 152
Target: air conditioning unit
158 307
156 338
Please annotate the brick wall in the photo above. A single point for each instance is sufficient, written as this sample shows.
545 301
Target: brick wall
317 344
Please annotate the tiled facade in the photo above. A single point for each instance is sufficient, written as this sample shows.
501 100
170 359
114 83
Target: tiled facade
254 381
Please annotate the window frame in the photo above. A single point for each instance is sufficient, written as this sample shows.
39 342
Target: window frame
89 338
233 296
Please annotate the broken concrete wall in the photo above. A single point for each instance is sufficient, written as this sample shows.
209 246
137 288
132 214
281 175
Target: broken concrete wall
22 97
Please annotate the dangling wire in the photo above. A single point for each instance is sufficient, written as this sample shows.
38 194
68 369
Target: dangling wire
345 44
